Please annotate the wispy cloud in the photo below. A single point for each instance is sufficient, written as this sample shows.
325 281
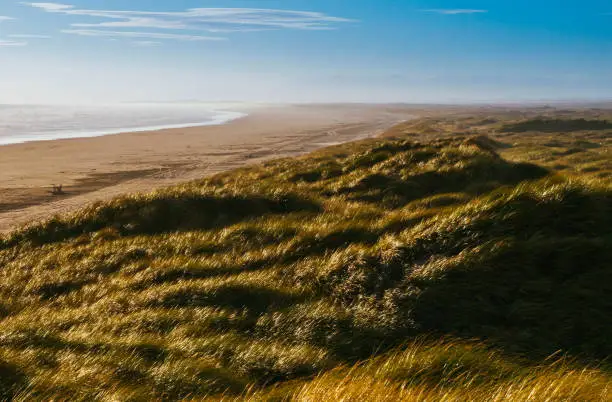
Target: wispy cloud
29 36
11 43
50 6
146 43
455 11
151 35
203 19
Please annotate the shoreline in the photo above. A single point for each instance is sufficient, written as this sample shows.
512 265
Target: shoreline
100 168
220 118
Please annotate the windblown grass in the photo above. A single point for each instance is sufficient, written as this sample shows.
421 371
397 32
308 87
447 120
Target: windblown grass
449 371
248 283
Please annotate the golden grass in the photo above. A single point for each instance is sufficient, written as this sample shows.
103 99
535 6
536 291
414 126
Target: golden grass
455 373
273 281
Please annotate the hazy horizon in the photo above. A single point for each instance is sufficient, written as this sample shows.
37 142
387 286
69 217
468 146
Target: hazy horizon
297 51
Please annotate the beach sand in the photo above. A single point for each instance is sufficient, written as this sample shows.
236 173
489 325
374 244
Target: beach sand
92 169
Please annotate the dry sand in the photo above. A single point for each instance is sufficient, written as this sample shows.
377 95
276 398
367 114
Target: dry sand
92 169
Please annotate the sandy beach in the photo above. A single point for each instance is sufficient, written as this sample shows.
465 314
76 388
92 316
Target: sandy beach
99 168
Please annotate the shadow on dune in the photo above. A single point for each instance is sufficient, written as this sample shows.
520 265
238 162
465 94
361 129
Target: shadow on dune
235 296
474 179
12 380
531 273
162 213
528 270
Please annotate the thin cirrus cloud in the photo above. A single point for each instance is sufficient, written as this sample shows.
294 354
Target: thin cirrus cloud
150 35
12 43
146 43
29 36
212 20
455 11
50 6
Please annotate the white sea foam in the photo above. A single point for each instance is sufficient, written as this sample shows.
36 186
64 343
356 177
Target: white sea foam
25 123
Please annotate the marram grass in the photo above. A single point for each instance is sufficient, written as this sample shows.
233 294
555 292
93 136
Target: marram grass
448 371
310 279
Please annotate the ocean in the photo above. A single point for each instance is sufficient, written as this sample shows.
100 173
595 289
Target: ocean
25 123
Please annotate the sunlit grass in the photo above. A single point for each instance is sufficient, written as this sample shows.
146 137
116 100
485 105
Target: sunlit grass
273 281
450 371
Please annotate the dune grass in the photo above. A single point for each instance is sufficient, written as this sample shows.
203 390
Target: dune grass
448 371
280 281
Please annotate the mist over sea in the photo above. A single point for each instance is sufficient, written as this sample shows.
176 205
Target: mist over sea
25 123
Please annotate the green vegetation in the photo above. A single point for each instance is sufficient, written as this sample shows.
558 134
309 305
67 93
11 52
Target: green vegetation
282 280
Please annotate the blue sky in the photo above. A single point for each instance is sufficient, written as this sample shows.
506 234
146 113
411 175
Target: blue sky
305 50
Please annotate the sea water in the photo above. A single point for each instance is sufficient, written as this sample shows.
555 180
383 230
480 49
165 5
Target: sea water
25 123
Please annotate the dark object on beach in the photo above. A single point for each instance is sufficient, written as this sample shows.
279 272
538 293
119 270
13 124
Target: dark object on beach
57 189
